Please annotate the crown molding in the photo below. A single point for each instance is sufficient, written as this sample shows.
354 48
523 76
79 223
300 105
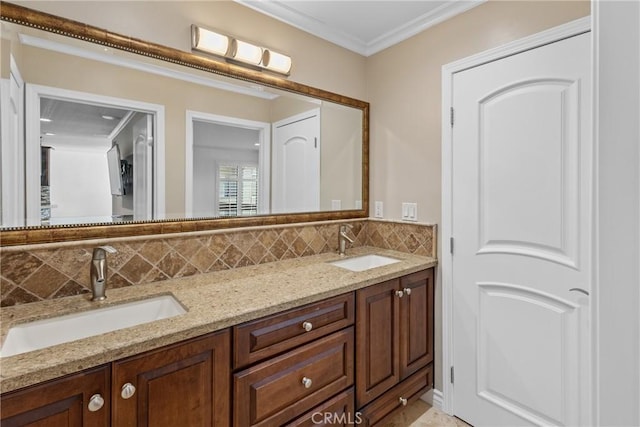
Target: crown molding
283 13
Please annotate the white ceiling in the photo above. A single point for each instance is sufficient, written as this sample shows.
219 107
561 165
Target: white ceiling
363 26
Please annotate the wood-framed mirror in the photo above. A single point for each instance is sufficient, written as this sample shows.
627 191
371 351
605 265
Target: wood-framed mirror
165 198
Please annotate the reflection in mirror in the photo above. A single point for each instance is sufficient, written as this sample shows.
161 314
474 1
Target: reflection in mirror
197 145
96 158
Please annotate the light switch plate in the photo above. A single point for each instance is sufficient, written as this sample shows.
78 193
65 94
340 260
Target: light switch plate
378 210
409 211
336 205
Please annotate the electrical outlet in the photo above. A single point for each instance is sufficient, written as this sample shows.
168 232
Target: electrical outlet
378 210
336 205
358 204
409 211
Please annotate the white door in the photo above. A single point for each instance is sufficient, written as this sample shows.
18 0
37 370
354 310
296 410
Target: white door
296 164
521 221
143 167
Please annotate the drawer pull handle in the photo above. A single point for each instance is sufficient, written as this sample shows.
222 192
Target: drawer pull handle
95 403
127 391
403 401
307 326
407 291
306 382
399 294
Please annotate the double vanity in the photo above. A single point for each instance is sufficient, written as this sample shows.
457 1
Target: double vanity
282 343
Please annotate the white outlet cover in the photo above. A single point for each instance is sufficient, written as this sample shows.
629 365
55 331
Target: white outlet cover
378 211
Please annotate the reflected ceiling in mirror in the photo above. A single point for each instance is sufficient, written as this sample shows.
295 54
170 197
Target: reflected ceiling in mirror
202 144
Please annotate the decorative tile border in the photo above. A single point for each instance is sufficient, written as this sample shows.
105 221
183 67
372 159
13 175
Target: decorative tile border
60 270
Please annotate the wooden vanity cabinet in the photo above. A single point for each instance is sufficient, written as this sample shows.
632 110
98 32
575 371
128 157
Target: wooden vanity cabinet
394 340
185 384
63 402
293 361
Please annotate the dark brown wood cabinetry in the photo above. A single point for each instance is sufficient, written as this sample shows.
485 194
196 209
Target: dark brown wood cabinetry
63 402
306 361
394 343
185 384
351 359
268 336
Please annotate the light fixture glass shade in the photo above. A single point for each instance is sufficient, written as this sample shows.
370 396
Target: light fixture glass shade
246 52
275 61
209 41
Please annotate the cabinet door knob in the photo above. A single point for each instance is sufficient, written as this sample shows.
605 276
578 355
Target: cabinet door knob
127 391
96 402
307 326
407 291
399 294
403 401
306 382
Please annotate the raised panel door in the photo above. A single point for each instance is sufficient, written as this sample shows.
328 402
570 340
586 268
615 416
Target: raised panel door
377 340
416 322
59 403
185 384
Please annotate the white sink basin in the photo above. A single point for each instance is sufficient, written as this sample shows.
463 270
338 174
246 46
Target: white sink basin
365 262
57 330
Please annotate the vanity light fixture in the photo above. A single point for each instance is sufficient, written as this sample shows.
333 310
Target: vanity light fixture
209 41
239 51
246 52
277 62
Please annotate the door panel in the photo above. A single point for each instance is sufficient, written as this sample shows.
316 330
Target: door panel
541 191
521 221
296 164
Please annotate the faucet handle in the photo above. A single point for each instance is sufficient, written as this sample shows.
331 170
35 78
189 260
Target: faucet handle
99 252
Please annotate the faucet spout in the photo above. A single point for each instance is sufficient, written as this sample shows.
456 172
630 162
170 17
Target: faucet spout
343 238
98 272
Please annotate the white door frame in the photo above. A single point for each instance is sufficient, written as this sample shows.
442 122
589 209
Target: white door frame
264 156
13 189
33 94
569 29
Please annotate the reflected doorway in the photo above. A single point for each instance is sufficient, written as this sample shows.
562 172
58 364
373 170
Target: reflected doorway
92 159
227 166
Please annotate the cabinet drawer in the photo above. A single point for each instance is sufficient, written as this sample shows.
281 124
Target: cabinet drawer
266 337
337 411
273 393
411 389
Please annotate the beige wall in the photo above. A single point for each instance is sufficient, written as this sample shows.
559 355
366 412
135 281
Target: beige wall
404 89
169 23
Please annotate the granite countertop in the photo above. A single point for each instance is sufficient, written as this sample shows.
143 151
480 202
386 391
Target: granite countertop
214 301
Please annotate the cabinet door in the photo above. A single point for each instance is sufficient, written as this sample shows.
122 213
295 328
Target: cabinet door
185 384
60 403
377 340
416 322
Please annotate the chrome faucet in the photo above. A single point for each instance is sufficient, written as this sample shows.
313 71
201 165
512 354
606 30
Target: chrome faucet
99 272
343 238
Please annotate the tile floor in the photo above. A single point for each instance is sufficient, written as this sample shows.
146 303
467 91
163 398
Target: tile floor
421 414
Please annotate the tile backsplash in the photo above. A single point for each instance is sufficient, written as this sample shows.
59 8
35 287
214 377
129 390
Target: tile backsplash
29 274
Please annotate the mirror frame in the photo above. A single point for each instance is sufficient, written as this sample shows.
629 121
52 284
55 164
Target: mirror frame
47 234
